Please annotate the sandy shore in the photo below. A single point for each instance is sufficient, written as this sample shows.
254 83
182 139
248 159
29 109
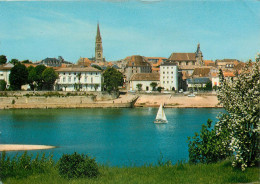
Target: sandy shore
170 101
20 147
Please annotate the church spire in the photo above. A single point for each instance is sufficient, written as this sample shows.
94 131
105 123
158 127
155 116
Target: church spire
98 37
99 48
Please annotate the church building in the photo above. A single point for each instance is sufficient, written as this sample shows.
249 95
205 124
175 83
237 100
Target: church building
99 48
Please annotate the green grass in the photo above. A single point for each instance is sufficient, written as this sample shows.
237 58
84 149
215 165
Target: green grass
220 173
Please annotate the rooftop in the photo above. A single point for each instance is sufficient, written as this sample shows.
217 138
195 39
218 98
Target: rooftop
146 77
182 57
78 69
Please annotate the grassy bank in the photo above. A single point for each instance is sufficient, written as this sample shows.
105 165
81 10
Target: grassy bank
180 173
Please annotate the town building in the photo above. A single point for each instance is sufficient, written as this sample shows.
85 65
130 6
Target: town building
226 63
53 62
136 64
98 47
194 84
155 63
145 80
5 71
78 78
169 77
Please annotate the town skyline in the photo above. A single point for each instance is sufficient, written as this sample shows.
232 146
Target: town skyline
36 30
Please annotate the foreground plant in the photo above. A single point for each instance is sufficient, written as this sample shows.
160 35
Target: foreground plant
237 131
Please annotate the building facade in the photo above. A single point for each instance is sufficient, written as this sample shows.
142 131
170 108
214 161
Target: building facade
169 76
79 79
136 64
145 79
5 71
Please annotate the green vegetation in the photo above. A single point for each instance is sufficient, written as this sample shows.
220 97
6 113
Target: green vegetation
3 59
18 76
49 77
77 166
139 87
153 85
2 85
236 134
14 61
25 169
112 79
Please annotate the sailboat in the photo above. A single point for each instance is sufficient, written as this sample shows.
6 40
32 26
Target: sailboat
160 117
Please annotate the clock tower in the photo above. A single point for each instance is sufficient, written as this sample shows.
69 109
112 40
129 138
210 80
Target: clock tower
99 48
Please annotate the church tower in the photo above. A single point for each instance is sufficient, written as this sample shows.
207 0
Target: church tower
199 56
99 48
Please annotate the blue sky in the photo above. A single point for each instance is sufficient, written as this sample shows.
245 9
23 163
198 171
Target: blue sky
38 29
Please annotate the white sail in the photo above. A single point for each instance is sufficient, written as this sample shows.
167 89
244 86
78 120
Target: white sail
160 117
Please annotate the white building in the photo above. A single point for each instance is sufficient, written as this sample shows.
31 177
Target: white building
83 79
5 71
145 79
169 76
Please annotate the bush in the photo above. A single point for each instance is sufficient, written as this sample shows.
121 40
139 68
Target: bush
2 85
23 166
208 146
77 166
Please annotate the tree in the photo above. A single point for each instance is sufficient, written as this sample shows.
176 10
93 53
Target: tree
38 79
153 85
97 67
49 77
208 86
112 79
14 61
159 89
26 61
18 76
240 98
139 87
2 85
237 131
31 77
3 59
96 86
79 77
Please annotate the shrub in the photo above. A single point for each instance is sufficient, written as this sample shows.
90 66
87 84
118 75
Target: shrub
77 166
2 85
208 146
23 166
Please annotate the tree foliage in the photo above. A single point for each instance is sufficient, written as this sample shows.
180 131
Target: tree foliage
3 59
38 77
31 76
49 77
240 98
139 87
18 76
2 85
153 85
14 61
237 131
112 79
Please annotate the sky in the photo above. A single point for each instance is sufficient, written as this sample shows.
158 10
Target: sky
35 30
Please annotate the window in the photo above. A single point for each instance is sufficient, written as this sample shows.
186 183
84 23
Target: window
172 67
167 72
172 81
91 80
69 79
75 74
164 82
75 79
96 73
172 72
63 73
167 67
85 79
163 72
163 77
91 73
167 82
64 79
69 73
167 77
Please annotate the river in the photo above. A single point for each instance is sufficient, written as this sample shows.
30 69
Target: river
117 137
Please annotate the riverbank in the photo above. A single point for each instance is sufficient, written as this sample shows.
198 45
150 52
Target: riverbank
123 101
218 173
178 101
20 147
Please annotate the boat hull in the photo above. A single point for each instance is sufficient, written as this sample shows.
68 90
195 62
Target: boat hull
160 121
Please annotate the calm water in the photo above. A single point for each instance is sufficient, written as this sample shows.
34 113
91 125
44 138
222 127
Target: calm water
113 136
